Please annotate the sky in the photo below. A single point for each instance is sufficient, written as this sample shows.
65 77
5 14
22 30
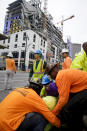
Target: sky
75 28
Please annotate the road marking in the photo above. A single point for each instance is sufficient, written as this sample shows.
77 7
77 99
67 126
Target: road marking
15 81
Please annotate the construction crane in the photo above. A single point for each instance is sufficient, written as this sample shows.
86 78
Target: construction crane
62 23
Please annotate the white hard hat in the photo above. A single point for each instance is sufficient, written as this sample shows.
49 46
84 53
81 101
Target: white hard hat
65 50
10 54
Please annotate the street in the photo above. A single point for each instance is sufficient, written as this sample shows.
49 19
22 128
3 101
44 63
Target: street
20 80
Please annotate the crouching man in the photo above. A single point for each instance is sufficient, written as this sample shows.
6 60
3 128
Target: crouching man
24 110
72 89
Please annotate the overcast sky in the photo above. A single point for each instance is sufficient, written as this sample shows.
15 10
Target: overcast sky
76 27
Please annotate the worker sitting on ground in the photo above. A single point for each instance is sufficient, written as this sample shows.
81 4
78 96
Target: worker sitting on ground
39 67
49 87
24 110
49 95
67 60
80 60
10 70
72 90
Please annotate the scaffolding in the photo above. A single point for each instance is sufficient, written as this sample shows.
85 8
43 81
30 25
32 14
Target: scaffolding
22 15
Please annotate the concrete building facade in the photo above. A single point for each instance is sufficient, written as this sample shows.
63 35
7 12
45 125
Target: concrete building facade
73 48
22 15
23 46
76 48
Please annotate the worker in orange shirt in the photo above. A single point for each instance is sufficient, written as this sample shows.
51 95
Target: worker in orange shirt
24 110
10 70
72 89
67 60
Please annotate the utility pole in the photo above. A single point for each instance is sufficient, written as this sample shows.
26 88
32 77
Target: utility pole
26 38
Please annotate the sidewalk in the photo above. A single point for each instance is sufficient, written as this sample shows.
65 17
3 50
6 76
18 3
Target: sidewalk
20 79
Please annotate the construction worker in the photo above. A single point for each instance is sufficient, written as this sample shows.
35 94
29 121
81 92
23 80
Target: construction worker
49 94
49 87
72 89
10 70
39 66
24 110
67 60
80 60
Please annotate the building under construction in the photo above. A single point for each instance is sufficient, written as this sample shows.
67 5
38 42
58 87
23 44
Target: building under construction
22 15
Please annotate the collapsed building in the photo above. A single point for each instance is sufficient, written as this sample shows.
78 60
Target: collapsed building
22 16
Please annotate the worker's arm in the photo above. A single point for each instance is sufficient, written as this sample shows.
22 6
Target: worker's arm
63 90
14 66
43 92
78 62
31 72
45 64
63 66
68 62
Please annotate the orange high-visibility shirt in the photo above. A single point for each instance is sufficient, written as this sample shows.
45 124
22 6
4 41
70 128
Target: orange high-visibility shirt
10 65
20 102
69 81
67 62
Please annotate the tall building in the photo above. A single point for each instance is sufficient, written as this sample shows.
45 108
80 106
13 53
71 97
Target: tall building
76 48
23 46
22 15
73 48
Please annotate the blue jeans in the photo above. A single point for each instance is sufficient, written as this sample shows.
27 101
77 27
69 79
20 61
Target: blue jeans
33 122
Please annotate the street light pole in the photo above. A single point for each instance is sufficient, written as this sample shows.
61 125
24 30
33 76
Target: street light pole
26 38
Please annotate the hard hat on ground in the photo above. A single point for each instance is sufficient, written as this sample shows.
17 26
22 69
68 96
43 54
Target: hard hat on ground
38 52
10 54
35 85
46 80
65 50
35 81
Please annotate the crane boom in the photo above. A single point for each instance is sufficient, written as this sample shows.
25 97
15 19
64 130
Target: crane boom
65 19
69 18
62 21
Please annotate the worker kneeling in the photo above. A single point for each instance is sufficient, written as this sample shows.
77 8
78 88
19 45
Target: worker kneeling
72 90
24 110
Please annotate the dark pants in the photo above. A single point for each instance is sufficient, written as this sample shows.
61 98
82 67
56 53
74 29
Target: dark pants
73 112
33 122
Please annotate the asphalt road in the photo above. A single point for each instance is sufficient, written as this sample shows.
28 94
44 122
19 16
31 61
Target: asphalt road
20 80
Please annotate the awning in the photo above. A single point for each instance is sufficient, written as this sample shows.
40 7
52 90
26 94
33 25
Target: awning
3 46
3 37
